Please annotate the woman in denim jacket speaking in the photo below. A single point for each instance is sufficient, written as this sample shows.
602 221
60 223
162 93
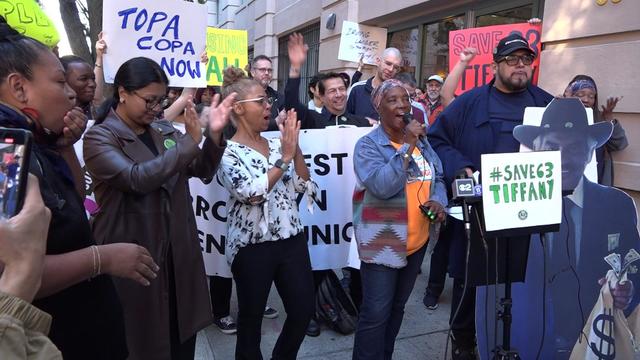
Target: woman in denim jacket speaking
398 206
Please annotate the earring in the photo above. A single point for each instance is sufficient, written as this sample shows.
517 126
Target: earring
121 101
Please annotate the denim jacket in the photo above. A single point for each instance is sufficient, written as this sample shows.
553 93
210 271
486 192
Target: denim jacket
379 202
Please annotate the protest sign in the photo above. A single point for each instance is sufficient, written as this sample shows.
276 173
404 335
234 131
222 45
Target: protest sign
329 230
27 18
358 40
170 32
225 48
407 42
521 189
485 39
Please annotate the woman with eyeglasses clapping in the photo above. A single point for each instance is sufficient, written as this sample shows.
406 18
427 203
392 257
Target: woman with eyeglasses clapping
140 166
265 238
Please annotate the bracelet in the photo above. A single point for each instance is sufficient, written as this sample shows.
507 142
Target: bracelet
97 263
98 65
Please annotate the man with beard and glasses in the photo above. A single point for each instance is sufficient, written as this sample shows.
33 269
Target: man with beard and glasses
481 121
434 101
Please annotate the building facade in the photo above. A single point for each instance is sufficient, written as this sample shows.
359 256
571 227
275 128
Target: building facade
600 38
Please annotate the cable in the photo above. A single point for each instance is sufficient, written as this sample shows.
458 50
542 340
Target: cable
486 273
575 273
464 292
495 304
543 238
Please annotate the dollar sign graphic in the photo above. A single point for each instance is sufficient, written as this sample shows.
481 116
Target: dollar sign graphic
606 350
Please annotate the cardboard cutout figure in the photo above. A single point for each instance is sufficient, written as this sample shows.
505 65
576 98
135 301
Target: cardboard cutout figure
597 221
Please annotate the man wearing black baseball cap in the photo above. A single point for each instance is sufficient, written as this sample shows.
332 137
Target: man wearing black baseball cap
481 121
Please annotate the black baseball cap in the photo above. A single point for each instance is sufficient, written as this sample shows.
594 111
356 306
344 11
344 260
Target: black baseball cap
510 44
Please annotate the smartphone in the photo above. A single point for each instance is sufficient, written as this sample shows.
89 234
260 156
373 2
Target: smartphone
15 152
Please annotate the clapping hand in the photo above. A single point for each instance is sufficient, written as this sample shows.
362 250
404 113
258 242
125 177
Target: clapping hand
289 131
219 115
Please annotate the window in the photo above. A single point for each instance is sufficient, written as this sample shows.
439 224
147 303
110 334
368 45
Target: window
407 42
435 54
510 16
311 36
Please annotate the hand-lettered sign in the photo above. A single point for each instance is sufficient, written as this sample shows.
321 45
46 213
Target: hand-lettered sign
357 40
225 48
26 17
485 39
170 32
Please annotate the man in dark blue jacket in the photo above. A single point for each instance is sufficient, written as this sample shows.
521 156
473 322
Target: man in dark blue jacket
359 102
481 121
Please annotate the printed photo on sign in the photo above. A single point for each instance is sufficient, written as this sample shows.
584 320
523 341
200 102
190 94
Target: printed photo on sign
536 120
588 262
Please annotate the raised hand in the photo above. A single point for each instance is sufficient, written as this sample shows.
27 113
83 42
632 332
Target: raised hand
468 54
281 118
219 114
297 50
75 123
101 47
289 131
191 122
607 110
204 58
129 261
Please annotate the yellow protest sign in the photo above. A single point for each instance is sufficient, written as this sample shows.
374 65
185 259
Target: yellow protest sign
225 48
26 17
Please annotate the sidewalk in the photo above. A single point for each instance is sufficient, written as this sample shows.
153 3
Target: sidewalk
422 336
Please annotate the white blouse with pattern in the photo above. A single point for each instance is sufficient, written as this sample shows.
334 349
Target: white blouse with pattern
253 214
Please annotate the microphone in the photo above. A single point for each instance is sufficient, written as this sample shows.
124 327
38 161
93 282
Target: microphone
462 189
462 186
406 118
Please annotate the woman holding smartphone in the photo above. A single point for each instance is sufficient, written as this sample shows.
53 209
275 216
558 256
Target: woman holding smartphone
77 288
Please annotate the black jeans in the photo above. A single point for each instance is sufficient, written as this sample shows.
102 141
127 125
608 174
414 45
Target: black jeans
439 263
287 264
463 327
220 291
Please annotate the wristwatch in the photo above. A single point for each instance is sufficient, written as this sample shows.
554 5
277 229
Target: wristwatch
282 165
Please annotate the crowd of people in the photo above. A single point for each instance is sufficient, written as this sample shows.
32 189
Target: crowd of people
131 283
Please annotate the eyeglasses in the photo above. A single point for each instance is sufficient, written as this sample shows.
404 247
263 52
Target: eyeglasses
263 100
265 70
513 60
151 103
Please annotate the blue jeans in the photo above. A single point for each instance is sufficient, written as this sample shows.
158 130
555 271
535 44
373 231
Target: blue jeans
385 291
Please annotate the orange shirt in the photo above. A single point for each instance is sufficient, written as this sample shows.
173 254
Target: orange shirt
417 192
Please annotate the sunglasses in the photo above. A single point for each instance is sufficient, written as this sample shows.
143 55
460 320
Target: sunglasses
513 60
263 100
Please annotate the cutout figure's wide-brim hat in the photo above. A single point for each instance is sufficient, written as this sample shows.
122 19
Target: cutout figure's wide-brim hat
568 117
